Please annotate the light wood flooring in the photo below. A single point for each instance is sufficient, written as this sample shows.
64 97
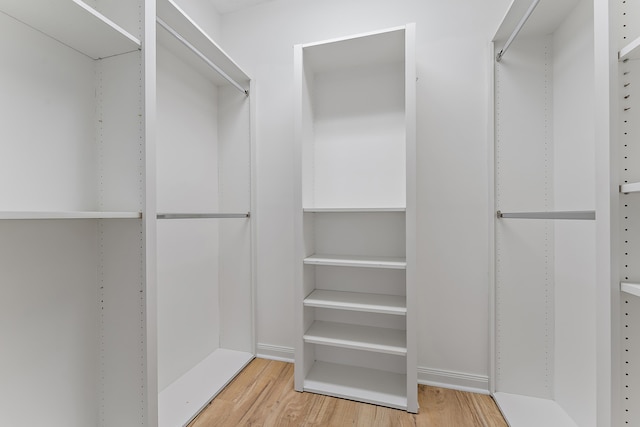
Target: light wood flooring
263 395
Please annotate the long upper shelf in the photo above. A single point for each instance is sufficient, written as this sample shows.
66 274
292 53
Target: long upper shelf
73 23
354 210
171 15
68 215
630 51
357 301
357 261
630 288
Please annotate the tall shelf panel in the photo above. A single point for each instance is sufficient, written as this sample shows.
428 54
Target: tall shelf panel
71 230
204 226
355 284
625 34
544 356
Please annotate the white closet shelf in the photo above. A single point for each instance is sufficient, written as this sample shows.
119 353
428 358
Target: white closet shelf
172 15
630 51
75 24
357 301
358 337
630 288
68 215
188 395
362 384
525 411
356 210
357 261
633 187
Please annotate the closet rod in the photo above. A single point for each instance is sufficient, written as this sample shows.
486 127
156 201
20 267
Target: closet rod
210 63
549 215
517 30
201 215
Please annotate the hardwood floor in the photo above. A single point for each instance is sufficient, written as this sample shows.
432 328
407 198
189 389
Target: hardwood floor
263 395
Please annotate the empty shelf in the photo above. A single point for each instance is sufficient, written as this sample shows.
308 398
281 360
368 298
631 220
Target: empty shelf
355 210
525 411
357 301
368 338
181 401
630 288
357 261
630 51
632 187
361 384
68 215
74 24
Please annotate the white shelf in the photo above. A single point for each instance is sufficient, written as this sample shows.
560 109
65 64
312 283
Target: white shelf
525 411
355 383
181 401
74 24
357 301
630 288
368 338
633 187
357 261
172 15
68 215
355 210
630 51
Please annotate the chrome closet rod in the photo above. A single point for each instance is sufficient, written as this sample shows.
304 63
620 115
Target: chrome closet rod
549 215
210 63
517 30
202 215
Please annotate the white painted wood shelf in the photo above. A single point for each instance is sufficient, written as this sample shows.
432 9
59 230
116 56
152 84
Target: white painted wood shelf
181 401
75 24
356 383
525 411
357 301
357 337
169 13
630 51
630 288
68 215
355 210
633 187
357 261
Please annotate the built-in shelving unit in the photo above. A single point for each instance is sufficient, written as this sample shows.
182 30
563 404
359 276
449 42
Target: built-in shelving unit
544 354
72 248
204 196
355 279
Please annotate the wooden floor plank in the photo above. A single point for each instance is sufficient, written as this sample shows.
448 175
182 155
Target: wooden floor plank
263 395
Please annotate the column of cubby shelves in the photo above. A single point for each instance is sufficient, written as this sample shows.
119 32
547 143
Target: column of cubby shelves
356 220
72 248
628 33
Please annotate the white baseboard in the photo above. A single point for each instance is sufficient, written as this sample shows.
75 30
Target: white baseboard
274 352
427 376
454 380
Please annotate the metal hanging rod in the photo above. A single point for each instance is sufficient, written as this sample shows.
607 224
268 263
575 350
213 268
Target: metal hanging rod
549 215
517 30
202 215
200 55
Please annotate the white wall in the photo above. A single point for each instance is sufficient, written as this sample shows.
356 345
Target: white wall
452 53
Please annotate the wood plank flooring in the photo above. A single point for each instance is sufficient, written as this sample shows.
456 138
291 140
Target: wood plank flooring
263 395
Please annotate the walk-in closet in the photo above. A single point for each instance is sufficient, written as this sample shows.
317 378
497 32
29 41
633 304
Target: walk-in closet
302 212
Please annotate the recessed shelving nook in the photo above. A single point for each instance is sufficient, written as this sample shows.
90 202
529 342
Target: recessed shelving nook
355 227
72 248
204 201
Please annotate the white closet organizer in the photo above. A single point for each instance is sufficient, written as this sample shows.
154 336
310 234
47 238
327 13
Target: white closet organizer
72 311
626 38
355 280
544 341
204 244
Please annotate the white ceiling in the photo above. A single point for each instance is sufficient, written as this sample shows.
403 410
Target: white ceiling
227 6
